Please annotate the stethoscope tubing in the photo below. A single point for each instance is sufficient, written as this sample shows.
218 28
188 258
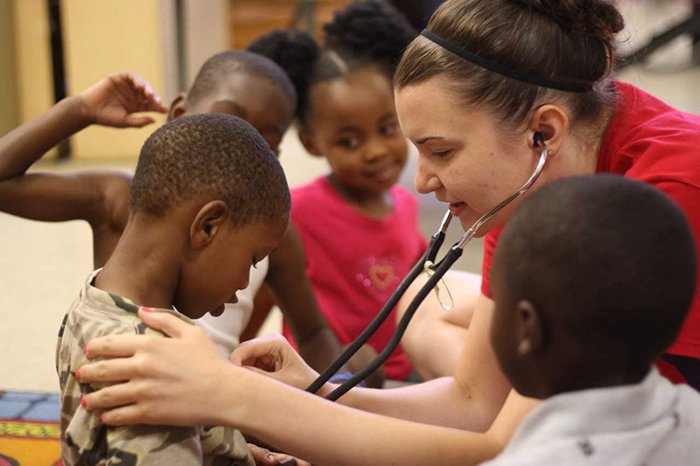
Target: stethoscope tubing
439 270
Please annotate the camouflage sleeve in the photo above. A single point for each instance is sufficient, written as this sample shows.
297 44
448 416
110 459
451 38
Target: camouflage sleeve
152 445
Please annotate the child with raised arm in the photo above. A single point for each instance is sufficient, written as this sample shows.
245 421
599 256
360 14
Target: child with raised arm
208 199
359 229
234 82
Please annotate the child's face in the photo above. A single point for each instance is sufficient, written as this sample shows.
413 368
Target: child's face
223 267
258 101
353 123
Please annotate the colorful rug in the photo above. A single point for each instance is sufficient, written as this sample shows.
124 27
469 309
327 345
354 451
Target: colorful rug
29 429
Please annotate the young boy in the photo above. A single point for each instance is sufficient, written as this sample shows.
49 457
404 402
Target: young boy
586 299
208 199
235 82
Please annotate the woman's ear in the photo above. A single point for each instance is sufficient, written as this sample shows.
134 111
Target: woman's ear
308 141
208 222
179 107
553 123
528 328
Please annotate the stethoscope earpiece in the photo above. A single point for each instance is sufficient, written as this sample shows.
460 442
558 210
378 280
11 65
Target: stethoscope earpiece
538 139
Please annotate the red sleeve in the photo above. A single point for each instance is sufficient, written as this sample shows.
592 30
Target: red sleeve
490 241
687 197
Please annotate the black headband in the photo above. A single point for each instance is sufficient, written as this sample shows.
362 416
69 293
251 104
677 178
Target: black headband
504 70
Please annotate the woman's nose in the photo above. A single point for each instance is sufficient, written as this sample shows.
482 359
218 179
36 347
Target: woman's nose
426 182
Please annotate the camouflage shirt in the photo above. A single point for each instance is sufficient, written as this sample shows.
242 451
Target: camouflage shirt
85 440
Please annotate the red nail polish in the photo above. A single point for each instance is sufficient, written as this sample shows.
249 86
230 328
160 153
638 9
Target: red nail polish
146 309
77 374
83 403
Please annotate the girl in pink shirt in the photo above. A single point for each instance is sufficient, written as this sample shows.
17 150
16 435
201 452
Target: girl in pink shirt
358 228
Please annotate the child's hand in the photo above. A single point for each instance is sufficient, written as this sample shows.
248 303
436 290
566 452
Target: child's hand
273 356
113 100
264 457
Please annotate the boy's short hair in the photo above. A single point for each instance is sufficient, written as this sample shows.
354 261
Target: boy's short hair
215 156
613 259
217 68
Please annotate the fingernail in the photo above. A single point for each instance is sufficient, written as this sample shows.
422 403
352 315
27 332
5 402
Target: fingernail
146 309
77 374
85 349
83 403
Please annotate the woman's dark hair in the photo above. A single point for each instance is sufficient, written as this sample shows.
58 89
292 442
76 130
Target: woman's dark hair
563 40
366 33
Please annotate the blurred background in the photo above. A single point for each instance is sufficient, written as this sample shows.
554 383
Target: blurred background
53 48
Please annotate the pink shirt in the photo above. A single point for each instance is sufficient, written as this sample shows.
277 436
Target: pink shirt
355 262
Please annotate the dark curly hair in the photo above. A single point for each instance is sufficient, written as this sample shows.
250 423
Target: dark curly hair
366 33
214 156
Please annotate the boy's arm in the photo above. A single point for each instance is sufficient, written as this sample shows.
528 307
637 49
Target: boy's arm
295 297
58 197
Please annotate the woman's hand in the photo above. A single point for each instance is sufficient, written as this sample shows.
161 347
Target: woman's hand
113 100
274 356
158 380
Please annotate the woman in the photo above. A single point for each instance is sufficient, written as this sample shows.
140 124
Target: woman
470 94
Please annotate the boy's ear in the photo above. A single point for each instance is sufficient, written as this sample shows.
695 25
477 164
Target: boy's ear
208 222
308 142
529 328
179 107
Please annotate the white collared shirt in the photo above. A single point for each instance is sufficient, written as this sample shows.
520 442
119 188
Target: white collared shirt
652 423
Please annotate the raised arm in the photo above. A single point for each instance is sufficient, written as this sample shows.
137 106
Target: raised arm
59 197
295 297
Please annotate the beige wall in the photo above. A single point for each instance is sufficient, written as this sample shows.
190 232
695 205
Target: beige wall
33 58
107 36
9 111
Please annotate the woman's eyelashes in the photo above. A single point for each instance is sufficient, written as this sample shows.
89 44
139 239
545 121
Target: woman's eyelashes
441 154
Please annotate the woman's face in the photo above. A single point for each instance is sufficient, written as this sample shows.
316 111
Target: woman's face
463 159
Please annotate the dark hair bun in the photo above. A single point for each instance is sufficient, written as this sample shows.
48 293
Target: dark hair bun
371 29
599 18
294 51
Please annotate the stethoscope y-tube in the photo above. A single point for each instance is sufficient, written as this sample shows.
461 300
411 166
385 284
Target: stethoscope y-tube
439 270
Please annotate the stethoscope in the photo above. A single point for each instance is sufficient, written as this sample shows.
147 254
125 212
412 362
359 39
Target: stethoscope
427 261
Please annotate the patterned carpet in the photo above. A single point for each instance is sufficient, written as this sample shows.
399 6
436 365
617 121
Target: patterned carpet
29 429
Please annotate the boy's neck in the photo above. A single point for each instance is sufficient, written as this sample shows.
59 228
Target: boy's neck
144 266
593 373
372 204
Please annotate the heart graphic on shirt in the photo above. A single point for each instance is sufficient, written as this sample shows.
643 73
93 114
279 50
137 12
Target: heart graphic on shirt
381 276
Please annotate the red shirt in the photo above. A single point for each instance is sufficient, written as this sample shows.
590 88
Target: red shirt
650 141
355 262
